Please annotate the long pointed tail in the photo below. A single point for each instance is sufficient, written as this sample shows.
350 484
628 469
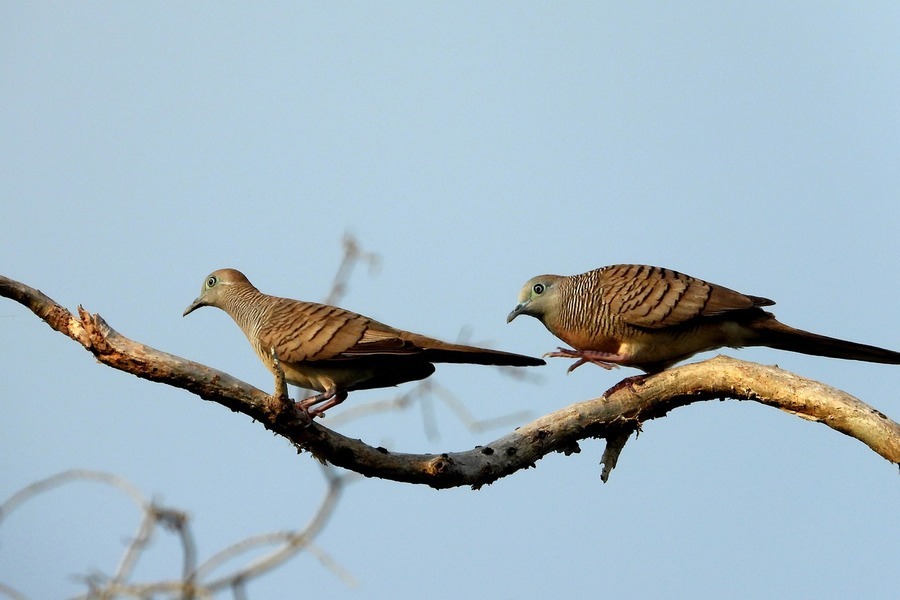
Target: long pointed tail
445 352
775 334
455 353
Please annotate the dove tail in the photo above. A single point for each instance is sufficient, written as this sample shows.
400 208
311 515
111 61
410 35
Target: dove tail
775 334
454 353
444 352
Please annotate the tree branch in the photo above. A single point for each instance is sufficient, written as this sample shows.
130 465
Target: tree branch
613 416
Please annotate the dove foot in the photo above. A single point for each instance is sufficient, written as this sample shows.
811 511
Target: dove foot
606 360
315 406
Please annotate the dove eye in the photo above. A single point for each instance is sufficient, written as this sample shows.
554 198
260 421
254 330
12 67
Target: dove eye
538 288
211 281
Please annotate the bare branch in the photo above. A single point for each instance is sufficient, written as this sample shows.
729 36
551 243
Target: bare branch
9 592
291 542
422 392
614 445
193 579
621 412
352 255
132 553
44 485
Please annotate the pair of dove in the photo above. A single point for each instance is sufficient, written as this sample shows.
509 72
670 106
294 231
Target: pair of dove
630 315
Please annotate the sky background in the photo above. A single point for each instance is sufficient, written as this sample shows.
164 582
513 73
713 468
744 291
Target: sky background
471 146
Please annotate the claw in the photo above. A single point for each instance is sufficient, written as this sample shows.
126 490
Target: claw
576 364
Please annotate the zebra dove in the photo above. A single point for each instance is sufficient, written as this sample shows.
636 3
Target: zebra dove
332 350
650 318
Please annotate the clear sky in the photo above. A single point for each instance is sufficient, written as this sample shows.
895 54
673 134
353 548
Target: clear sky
472 146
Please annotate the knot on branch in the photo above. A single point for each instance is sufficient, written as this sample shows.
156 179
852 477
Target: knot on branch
95 331
439 465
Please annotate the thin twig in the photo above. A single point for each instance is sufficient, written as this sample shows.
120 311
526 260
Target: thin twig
353 254
70 476
293 543
11 593
132 553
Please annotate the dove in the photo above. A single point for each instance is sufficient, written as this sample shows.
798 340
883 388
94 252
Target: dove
651 318
332 350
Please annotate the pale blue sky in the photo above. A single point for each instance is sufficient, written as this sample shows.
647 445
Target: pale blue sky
472 146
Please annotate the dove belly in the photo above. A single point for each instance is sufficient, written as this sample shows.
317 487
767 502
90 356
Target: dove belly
671 345
323 376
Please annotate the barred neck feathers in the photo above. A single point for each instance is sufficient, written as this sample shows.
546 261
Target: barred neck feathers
248 307
583 306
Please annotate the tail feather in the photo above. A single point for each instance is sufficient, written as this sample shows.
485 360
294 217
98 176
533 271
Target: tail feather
775 334
444 352
455 353
404 343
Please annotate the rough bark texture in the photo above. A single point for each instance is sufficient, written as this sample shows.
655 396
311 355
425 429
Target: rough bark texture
613 416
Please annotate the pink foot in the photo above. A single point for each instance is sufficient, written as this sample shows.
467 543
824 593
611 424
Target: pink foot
315 406
606 360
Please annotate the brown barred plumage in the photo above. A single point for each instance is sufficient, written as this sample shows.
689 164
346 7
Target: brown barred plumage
332 350
650 318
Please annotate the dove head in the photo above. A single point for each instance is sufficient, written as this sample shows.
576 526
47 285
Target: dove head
216 288
537 298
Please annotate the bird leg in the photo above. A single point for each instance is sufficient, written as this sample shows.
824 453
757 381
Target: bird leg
325 400
279 400
607 360
280 384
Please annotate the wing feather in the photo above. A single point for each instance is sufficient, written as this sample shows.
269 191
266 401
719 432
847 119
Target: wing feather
654 298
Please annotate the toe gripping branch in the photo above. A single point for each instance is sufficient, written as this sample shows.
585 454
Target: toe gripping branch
325 400
280 401
314 406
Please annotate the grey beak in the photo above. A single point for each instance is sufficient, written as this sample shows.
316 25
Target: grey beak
194 306
518 310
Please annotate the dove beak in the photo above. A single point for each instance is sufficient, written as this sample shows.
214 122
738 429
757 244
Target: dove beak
518 310
194 306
